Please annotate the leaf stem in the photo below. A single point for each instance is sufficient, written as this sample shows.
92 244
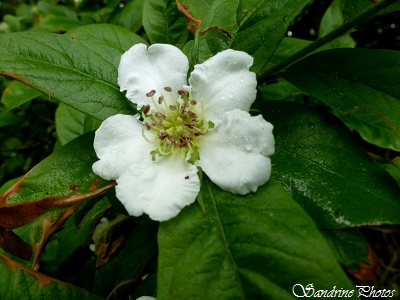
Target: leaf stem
271 73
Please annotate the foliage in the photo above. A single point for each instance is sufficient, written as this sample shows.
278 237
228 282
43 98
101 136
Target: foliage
334 108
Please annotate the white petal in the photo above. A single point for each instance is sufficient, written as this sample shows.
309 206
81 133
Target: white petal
224 83
160 189
118 142
235 154
143 69
146 298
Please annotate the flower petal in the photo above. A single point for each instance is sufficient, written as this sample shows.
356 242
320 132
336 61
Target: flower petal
234 154
119 142
143 69
224 82
160 189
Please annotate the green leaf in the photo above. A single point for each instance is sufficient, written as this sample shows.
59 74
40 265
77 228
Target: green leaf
163 22
360 85
18 93
62 179
80 73
253 247
56 24
71 123
114 36
19 282
130 16
320 164
46 8
332 19
256 27
7 118
128 264
281 90
349 246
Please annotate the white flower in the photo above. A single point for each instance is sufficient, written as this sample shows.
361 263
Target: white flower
153 155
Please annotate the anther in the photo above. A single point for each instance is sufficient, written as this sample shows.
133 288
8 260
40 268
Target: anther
160 99
146 109
147 125
172 107
182 92
193 102
168 89
192 114
151 93
171 138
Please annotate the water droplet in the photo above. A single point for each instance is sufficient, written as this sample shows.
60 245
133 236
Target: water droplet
341 94
242 80
230 95
242 92
223 97
235 62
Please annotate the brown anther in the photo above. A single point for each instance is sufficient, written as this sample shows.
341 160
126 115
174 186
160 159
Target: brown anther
172 107
155 123
193 102
147 125
197 133
192 114
162 135
190 126
160 115
151 93
182 92
183 144
168 89
146 109
160 99
171 138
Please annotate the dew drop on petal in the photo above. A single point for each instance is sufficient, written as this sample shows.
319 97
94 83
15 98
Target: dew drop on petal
223 97
242 80
230 95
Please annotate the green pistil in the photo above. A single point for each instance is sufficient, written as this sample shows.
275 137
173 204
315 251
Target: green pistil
176 126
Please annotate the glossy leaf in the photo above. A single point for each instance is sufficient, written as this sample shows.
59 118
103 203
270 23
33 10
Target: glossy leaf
349 246
332 19
114 36
125 267
360 85
80 73
163 22
63 179
18 282
130 16
256 27
17 93
252 247
319 162
71 123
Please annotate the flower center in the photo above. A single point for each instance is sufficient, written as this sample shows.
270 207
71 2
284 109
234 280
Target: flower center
175 126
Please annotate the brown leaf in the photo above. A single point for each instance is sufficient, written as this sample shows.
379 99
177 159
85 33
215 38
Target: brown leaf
14 245
193 24
366 271
15 215
48 229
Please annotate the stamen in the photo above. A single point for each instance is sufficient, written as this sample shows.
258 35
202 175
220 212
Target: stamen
172 107
146 109
147 125
160 99
168 89
193 102
151 93
182 92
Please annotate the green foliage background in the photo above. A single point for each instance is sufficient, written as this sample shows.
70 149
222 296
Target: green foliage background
334 104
